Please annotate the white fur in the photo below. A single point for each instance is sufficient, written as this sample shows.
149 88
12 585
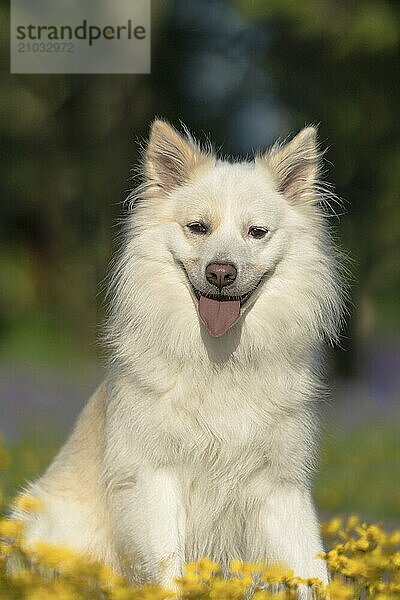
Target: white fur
200 446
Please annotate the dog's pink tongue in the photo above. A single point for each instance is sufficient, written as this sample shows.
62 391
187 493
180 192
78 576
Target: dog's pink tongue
218 316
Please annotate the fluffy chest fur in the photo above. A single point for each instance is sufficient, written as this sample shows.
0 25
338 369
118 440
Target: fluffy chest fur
228 438
228 420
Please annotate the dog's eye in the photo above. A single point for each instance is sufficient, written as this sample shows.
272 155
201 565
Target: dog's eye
258 232
197 227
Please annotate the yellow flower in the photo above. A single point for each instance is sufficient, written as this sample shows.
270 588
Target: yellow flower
108 578
261 595
361 544
395 559
208 565
6 549
352 522
235 565
11 528
232 589
58 589
61 558
28 503
314 582
340 590
207 568
190 586
274 573
393 539
332 527
366 555
25 577
375 533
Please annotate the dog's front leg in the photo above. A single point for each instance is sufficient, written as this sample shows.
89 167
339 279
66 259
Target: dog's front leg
150 521
163 517
289 529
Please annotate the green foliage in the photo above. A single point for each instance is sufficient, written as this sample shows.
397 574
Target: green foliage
68 147
337 64
24 461
360 471
365 27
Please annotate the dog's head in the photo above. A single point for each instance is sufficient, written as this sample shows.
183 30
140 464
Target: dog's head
220 243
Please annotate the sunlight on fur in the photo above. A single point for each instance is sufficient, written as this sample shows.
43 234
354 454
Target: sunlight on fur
202 440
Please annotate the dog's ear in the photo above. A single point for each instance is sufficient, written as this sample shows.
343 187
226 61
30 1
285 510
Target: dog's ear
170 158
295 166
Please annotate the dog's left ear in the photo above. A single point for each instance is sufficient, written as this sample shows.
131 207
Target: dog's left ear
170 158
295 166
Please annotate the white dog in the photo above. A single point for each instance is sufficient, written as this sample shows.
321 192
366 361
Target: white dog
201 440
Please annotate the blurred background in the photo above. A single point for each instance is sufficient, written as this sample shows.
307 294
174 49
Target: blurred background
243 73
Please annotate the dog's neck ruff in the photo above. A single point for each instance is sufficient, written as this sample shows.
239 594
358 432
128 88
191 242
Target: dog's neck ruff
218 315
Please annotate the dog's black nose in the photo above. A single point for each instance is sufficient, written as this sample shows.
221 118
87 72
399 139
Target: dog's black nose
221 274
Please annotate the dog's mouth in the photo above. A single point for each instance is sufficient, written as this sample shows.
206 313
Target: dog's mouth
219 312
223 297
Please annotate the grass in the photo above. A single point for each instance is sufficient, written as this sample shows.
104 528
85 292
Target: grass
360 473
23 461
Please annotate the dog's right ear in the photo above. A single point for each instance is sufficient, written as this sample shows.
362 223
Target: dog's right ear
170 158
